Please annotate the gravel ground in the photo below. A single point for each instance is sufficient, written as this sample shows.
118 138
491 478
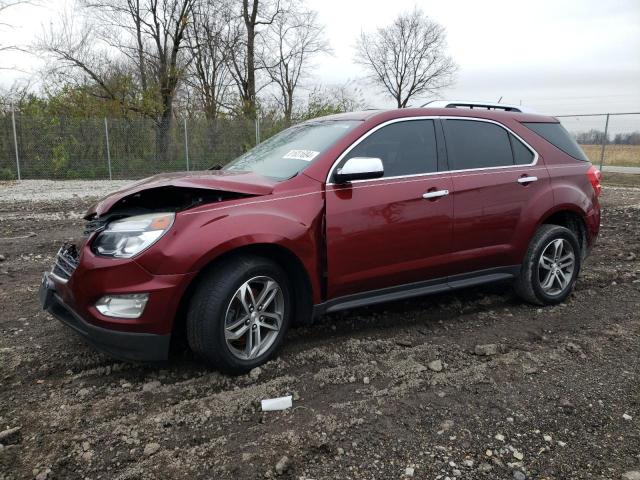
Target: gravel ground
56 190
466 385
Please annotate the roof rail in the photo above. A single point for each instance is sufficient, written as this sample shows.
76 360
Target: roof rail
479 105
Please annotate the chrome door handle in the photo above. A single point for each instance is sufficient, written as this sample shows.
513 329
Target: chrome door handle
527 179
436 194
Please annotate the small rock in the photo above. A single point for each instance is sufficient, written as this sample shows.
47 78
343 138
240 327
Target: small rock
282 465
566 403
246 456
44 474
435 365
486 350
468 463
409 471
366 380
547 438
352 379
630 257
518 475
403 343
485 467
518 455
340 451
255 373
2 258
562 444
499 437
631 475
83 392
627 417
446 425
572 347
10 436
149 386
456 472
488 453
151 449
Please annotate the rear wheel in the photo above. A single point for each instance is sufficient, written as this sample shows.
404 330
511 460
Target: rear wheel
239 314
551 266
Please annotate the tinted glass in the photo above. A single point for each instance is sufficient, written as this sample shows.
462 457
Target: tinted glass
557 135
405 148
473 144
292 150
521 153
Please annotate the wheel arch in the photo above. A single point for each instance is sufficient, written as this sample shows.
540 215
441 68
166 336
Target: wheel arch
570 217
284 257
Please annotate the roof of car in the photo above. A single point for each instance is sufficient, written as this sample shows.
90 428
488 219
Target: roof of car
441 112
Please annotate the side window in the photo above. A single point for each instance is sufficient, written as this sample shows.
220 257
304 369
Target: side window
405 148
557 135
476 144
521 154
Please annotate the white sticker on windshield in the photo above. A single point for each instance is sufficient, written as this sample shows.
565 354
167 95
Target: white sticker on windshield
306 155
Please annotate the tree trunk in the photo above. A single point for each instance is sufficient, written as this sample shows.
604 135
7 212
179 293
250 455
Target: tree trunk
164 129
250 100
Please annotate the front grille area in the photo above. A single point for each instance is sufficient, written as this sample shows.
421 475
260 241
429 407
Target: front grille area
66 261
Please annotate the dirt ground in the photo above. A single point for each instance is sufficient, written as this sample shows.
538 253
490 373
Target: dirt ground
396 391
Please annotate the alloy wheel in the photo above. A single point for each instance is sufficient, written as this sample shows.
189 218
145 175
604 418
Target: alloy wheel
556 266
254 317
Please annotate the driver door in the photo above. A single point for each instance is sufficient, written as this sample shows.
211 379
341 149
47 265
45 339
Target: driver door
396 229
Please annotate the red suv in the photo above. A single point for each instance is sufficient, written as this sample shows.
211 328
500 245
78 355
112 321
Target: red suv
334 213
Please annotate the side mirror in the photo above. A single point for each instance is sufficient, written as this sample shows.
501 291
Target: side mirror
360 168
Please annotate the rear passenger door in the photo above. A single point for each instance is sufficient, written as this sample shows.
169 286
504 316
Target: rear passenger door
496 177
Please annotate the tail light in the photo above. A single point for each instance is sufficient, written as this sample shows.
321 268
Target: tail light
594 177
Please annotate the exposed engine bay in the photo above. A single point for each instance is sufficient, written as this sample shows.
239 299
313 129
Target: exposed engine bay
159 199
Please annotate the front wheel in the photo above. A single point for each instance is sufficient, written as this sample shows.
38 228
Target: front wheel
550 267
239 314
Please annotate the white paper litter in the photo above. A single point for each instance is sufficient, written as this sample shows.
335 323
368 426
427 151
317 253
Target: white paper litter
280 403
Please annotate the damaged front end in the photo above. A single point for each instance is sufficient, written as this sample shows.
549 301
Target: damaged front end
159 199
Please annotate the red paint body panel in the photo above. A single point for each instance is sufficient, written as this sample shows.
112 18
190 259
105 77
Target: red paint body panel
384 233
349 238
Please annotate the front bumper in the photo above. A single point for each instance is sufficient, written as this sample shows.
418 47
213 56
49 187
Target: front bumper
79 279
128 346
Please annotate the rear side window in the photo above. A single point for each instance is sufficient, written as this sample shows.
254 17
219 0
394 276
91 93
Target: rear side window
557 135
521 154
405 148
476 144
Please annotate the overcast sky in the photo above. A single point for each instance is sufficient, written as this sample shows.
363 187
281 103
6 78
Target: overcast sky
569 56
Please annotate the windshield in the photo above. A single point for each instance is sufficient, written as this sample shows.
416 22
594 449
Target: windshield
292 150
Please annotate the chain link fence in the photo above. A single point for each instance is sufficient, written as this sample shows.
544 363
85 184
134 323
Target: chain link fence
101 148
98 148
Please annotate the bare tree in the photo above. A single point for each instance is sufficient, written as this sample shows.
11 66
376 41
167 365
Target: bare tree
5 5
147 34
209 37
295 37
407 58
244 64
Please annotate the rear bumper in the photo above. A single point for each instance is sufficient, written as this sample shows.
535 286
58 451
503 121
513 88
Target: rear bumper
128 346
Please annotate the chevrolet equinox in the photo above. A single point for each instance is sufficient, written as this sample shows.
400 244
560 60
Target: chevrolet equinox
334 213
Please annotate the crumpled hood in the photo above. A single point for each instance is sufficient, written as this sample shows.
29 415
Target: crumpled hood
220 180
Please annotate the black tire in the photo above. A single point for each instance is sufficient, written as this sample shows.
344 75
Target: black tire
208 308
528 284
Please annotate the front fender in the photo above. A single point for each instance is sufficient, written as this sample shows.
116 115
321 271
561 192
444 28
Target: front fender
199 237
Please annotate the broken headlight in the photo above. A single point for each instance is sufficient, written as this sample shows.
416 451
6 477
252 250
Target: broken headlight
129 236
